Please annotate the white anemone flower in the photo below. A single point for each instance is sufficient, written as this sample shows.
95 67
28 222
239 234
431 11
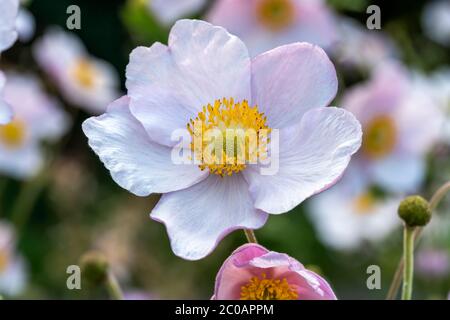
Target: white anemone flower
266 24
206 74
400 123
169 11
37 117
13 275
84 80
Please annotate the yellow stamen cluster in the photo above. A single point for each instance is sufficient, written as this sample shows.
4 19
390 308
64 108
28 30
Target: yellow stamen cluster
268 289
364 203
227 135
4 260
12 135
380 137
84 73
276 14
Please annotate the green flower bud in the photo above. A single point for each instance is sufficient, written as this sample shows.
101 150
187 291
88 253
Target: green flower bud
94 267
414 211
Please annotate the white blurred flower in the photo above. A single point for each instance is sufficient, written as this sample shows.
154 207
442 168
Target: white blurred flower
84 80
349 214
437 86
37 117
25 25
8 35
168 11
266 24
362 48
13 275
436 21
8 15
400 126
5 109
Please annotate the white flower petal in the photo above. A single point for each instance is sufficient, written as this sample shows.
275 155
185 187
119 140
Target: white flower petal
5 109
22 163
313 156
197 218
135 162
169 85
8 14
290 80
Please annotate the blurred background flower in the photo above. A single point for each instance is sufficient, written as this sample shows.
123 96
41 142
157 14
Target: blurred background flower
395 80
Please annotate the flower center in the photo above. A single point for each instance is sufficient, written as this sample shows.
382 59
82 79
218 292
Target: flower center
84 73
364 203
380 137
4 260
268 289
12 135
276 14
228 135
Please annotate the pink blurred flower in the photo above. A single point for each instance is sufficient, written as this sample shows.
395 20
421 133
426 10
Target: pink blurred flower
168 86
400 125
85 81
433 263
37 117
266 24
254 273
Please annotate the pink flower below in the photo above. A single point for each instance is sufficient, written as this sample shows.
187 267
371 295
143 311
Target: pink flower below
254 273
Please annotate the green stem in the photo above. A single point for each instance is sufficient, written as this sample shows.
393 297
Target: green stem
26 199
434 202
250 234
408 256
113 287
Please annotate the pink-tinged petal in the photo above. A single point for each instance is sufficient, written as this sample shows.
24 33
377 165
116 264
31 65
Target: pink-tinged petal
399 172
231 276
168 85
382 95
252 260
313 155
197 218
290 80
8 14
135 162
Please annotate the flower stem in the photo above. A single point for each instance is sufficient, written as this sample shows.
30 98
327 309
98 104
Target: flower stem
408 256
434 202
113 287
26 199
250 234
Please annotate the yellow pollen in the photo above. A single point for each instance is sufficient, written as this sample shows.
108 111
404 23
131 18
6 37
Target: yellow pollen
268 289
380 137
84 73
276 14
364 203
12 135
4 260
228 135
